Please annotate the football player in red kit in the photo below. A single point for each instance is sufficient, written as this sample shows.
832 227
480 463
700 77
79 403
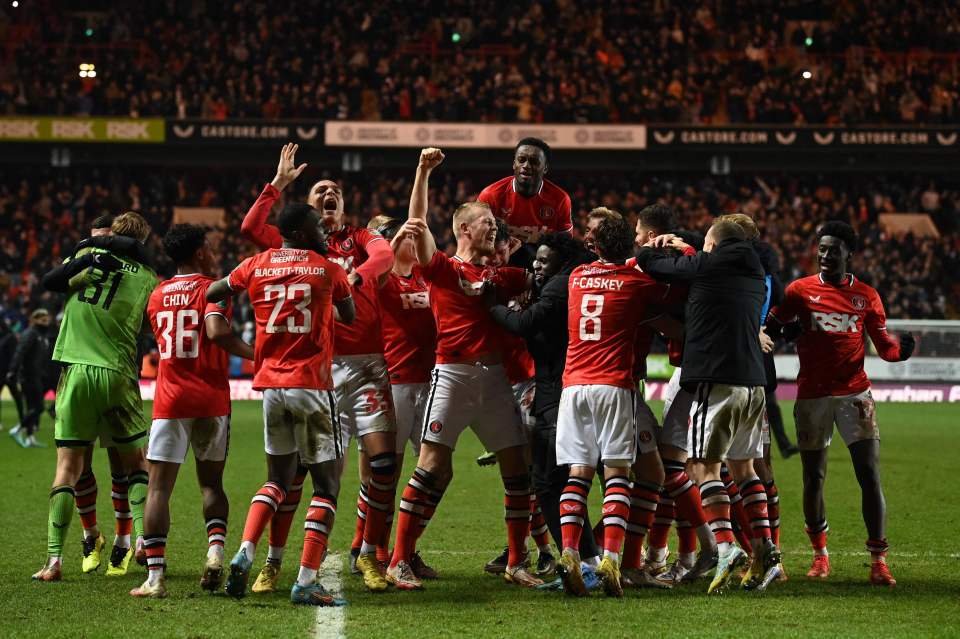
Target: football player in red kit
530 204
359 369
293 290
410 343
469 386
191 407
836 312
598 406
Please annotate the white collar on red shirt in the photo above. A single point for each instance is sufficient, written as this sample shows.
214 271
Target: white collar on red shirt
513 185
186 274
849 282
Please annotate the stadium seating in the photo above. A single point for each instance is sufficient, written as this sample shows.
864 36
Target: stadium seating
562 61
43 213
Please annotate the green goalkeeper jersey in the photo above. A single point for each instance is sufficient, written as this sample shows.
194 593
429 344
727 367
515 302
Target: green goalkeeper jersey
103 316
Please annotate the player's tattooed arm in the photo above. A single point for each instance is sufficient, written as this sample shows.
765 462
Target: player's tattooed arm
219 290
221 333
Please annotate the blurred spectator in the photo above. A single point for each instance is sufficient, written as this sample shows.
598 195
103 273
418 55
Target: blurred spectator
44 213
884 61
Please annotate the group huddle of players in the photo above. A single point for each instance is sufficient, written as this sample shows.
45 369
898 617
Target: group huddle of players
375 334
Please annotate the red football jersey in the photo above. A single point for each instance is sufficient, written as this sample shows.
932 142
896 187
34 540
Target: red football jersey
193 376
409 334
606 304
348 248
516 359
676 296
836 322
292 293
548 210
465 330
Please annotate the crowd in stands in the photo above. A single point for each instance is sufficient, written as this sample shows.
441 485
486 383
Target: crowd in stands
707 61
44 213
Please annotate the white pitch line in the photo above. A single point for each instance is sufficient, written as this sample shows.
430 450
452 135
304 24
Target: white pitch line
331 620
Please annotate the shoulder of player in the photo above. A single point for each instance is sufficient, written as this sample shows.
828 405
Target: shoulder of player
802 283
498 187
863 288
551 190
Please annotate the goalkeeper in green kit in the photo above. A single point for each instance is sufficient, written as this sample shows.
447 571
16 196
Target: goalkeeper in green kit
108 285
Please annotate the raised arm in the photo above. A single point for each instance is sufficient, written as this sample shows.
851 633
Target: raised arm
430 159
254 226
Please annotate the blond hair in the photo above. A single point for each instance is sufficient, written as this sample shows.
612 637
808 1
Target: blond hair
603 213
744 221
377 221
467 213
131 224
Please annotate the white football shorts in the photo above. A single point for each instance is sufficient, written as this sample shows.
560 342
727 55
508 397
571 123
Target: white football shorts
363 395
725 422
474 395
409 401
595 423
301 420
854 415
524 393
170 438
676 413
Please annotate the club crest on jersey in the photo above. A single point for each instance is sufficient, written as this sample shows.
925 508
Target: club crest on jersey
546 212
435 427
347 244
859 302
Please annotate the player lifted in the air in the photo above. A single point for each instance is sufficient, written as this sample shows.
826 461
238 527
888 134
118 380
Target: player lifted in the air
530 204
293 290
359 370
191 406
836 313
98 394
469 386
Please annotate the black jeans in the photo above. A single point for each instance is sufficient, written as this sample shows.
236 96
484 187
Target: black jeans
33 392
549 480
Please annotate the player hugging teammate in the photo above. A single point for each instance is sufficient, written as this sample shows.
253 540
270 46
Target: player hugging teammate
377 334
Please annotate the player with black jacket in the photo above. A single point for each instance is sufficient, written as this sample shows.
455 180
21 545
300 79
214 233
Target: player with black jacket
722 365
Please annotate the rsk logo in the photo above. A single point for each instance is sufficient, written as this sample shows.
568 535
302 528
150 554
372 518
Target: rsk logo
415 300
835 322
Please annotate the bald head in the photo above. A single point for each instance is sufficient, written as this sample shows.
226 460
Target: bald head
720 231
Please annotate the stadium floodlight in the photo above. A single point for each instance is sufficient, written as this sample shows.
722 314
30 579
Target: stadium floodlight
455 37
14 4
88 70
806 75
808 41
88 32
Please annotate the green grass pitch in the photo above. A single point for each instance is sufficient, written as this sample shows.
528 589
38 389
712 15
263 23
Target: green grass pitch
919 452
